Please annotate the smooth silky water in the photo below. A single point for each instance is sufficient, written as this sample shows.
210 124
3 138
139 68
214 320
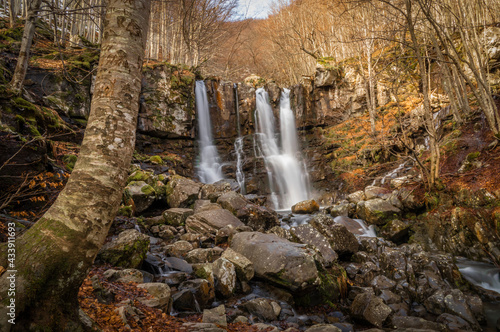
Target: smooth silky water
288 178
209 167
486 276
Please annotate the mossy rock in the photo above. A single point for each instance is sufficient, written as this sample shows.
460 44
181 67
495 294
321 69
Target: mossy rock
126 211
148 190
128 250
156 160
333 286
473 156
138 175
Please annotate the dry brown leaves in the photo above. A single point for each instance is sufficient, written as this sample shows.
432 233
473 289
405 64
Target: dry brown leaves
106 316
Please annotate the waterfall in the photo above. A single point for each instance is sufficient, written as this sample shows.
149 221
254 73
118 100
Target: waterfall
287 177
209 167
238 145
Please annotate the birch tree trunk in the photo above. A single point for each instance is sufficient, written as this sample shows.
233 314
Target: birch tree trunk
16 84
55 255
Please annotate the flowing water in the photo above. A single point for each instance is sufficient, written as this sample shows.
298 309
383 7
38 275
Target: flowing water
486 276
286 174
209 167
238 145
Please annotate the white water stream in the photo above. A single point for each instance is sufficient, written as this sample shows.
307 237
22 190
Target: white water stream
209 166
288 179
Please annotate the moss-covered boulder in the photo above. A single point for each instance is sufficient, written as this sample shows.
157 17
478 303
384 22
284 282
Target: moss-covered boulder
142 194
377 211
128 250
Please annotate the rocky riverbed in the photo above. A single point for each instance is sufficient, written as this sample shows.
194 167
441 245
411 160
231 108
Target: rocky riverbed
230 259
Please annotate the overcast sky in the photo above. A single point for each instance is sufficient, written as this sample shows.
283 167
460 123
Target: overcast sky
254 8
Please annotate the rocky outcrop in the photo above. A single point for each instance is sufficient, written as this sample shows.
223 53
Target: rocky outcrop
167 107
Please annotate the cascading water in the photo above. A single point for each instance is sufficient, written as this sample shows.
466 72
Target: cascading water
209 167
238 145
287 177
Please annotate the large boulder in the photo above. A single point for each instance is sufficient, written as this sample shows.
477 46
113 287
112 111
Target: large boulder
160 293
127 250
208 222
342 241
280 261
309 235
182 192
306 207
377 211
142 194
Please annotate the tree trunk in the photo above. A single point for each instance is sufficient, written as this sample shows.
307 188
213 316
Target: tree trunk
24 54
55 255
428 118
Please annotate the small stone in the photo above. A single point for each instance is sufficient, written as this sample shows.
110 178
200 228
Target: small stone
240 319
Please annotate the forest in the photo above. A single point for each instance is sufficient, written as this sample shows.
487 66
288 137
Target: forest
179 165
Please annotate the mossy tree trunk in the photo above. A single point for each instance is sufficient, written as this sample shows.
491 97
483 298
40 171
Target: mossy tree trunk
24 54
54 256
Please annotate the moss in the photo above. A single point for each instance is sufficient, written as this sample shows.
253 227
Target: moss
12 35
69 161
23 104
473 156
82 122
125 211
156 160
148 190
138 175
